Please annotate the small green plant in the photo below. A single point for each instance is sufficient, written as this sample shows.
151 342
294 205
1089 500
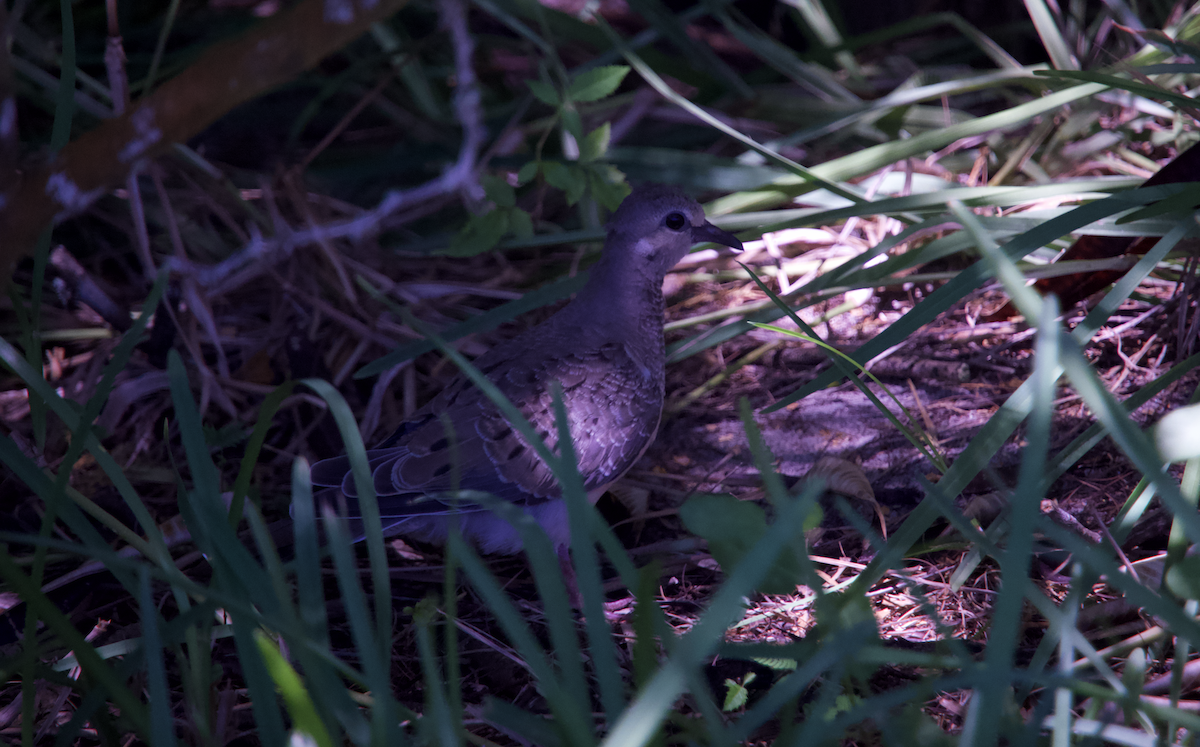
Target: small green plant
580 172
485 230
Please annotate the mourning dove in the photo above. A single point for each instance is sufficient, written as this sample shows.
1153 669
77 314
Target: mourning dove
605 348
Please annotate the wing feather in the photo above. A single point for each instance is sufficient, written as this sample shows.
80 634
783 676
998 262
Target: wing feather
612 406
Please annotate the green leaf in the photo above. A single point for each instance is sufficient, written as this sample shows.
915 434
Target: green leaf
578 186
779 665
480 234
608 185
572 123
556 174
597 83
520 223
595 144
499 191
528 172
736 693
572 181
1184 202
231 434
544 92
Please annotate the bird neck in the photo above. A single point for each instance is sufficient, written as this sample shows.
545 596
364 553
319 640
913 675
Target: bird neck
625 294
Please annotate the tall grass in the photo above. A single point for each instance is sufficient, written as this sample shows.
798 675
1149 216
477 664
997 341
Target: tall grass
157 684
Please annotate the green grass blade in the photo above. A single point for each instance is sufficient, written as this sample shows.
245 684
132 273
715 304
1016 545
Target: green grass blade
374 653
571 718
970 278
241 485
299 703
1052 38
601 648
320 676
802 174
162 722
97 670
439 723
879 156
655 699
993 699
368 507
663 19
260 687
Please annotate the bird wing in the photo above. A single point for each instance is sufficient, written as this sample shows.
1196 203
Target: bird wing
613 406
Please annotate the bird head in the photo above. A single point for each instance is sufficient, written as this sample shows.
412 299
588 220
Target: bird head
658 225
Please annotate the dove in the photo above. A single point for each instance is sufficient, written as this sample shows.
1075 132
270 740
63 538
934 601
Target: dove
605 349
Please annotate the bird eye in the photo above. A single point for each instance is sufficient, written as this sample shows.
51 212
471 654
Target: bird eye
675 221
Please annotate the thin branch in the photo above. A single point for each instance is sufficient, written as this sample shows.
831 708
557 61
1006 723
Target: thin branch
462 178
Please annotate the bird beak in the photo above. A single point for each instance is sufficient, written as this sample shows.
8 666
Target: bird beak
709 232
